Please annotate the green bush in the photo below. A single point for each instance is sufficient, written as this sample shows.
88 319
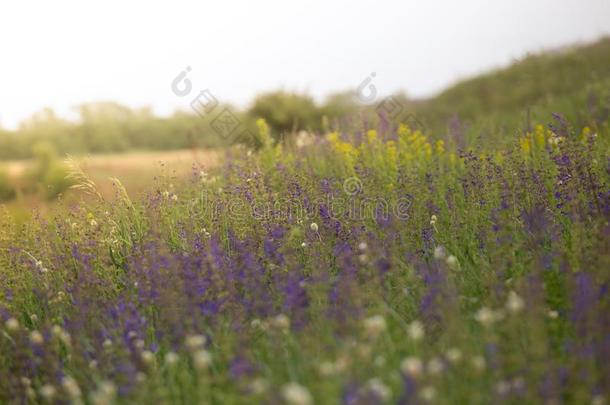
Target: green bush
54 182
49 174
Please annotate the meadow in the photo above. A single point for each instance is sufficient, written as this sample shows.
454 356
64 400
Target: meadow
375 263
136 169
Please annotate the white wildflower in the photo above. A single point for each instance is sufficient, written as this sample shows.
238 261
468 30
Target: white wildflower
202 360
296 394
47 391
379 361
485 316
412 366
313 227
478 362
259 386
281 322
518 383
454 355
514 303
327 368
105 394
435 366
194 342
375 325
439 253
71 387
502 387
377 386
36 338
148 357
171 358
428 393
415 330
11 324
452 262
342 363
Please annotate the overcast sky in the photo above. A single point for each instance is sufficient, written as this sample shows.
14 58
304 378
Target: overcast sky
61 53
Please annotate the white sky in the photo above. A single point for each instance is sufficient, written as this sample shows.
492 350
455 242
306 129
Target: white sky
61 53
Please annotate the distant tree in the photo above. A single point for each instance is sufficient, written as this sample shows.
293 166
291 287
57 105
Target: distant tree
342 104
286 112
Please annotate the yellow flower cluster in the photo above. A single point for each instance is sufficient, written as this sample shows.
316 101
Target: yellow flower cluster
415 145
536 141
346 149
410 146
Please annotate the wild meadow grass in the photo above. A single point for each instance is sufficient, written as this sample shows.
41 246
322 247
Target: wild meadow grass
374 266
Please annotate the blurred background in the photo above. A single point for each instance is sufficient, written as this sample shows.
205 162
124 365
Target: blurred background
138 89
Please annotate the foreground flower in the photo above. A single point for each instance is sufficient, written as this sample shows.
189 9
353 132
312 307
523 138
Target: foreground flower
428 393
148 357
258 386
435 366
202 360
313 227
47 391
375 325
452 262
415 330
36 338
171 358
71 387
412 366
105 394
327 368
454 355
194 342
281 322
478 362
485 316
377 387
11 324
296 394
439 253
598 400
514 303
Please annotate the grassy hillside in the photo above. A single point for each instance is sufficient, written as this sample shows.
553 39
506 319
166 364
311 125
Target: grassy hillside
574 81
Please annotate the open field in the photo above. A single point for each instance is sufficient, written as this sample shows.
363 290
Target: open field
136 170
